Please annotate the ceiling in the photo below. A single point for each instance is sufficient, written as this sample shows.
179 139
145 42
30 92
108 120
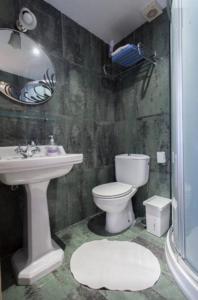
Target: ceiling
107 19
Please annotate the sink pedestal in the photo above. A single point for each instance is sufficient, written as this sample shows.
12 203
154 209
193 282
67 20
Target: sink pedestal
40 254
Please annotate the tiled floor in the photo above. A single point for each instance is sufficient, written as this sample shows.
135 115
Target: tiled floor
60 285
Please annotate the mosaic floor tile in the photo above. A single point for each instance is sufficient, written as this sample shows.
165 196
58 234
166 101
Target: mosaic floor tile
60 285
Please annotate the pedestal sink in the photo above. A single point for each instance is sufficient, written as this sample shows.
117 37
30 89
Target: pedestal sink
40 254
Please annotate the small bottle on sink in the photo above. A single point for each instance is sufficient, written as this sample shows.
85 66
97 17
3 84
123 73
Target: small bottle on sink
52 148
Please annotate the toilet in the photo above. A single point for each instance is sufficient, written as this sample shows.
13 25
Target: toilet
132 171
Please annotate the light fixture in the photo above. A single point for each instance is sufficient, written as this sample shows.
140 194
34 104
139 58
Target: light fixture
26 20
15 40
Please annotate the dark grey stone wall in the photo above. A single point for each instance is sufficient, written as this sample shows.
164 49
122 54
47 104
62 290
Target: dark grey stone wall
80 115
142 111
87 114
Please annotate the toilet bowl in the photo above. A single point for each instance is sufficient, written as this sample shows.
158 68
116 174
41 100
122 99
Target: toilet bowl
115 197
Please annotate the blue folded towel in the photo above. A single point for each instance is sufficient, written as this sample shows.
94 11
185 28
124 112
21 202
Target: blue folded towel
127 55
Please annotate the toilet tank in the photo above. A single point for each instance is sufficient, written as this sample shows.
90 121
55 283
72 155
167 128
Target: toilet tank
132 169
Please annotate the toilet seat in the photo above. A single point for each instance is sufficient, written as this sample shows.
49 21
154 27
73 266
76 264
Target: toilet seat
112 190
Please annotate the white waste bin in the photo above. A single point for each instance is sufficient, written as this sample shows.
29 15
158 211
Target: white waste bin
157 215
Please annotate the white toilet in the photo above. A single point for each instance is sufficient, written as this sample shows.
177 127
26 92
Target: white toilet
132 171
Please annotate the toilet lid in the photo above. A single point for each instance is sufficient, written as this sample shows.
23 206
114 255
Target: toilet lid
112 189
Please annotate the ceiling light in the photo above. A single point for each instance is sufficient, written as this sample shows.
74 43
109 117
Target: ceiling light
26 20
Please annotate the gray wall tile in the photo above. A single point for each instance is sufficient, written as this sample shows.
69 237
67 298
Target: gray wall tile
80 99
143 110
88 113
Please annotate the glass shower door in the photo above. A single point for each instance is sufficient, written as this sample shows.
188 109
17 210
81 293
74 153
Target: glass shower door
190 128
184 31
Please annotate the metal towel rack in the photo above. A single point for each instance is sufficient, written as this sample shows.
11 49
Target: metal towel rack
128 61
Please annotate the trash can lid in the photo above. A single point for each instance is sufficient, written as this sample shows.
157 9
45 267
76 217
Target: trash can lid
158 202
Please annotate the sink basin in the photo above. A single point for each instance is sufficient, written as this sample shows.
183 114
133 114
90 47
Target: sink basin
40 254
16 170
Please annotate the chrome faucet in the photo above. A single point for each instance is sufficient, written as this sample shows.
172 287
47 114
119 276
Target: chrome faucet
28 151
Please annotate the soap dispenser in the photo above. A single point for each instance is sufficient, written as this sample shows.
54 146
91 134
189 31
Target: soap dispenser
52 148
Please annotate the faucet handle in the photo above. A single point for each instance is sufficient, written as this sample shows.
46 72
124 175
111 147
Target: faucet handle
33 144
34 147
18 149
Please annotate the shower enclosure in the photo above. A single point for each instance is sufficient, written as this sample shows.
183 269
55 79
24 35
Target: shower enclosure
182 240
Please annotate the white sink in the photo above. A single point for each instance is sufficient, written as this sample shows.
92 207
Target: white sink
15 170
40 254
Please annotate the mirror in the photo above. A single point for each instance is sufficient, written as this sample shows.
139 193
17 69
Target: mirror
27 74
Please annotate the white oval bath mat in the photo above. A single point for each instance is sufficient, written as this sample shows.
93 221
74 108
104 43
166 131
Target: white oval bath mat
115 265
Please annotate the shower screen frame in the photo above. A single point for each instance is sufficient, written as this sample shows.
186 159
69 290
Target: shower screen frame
184 94
178 206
